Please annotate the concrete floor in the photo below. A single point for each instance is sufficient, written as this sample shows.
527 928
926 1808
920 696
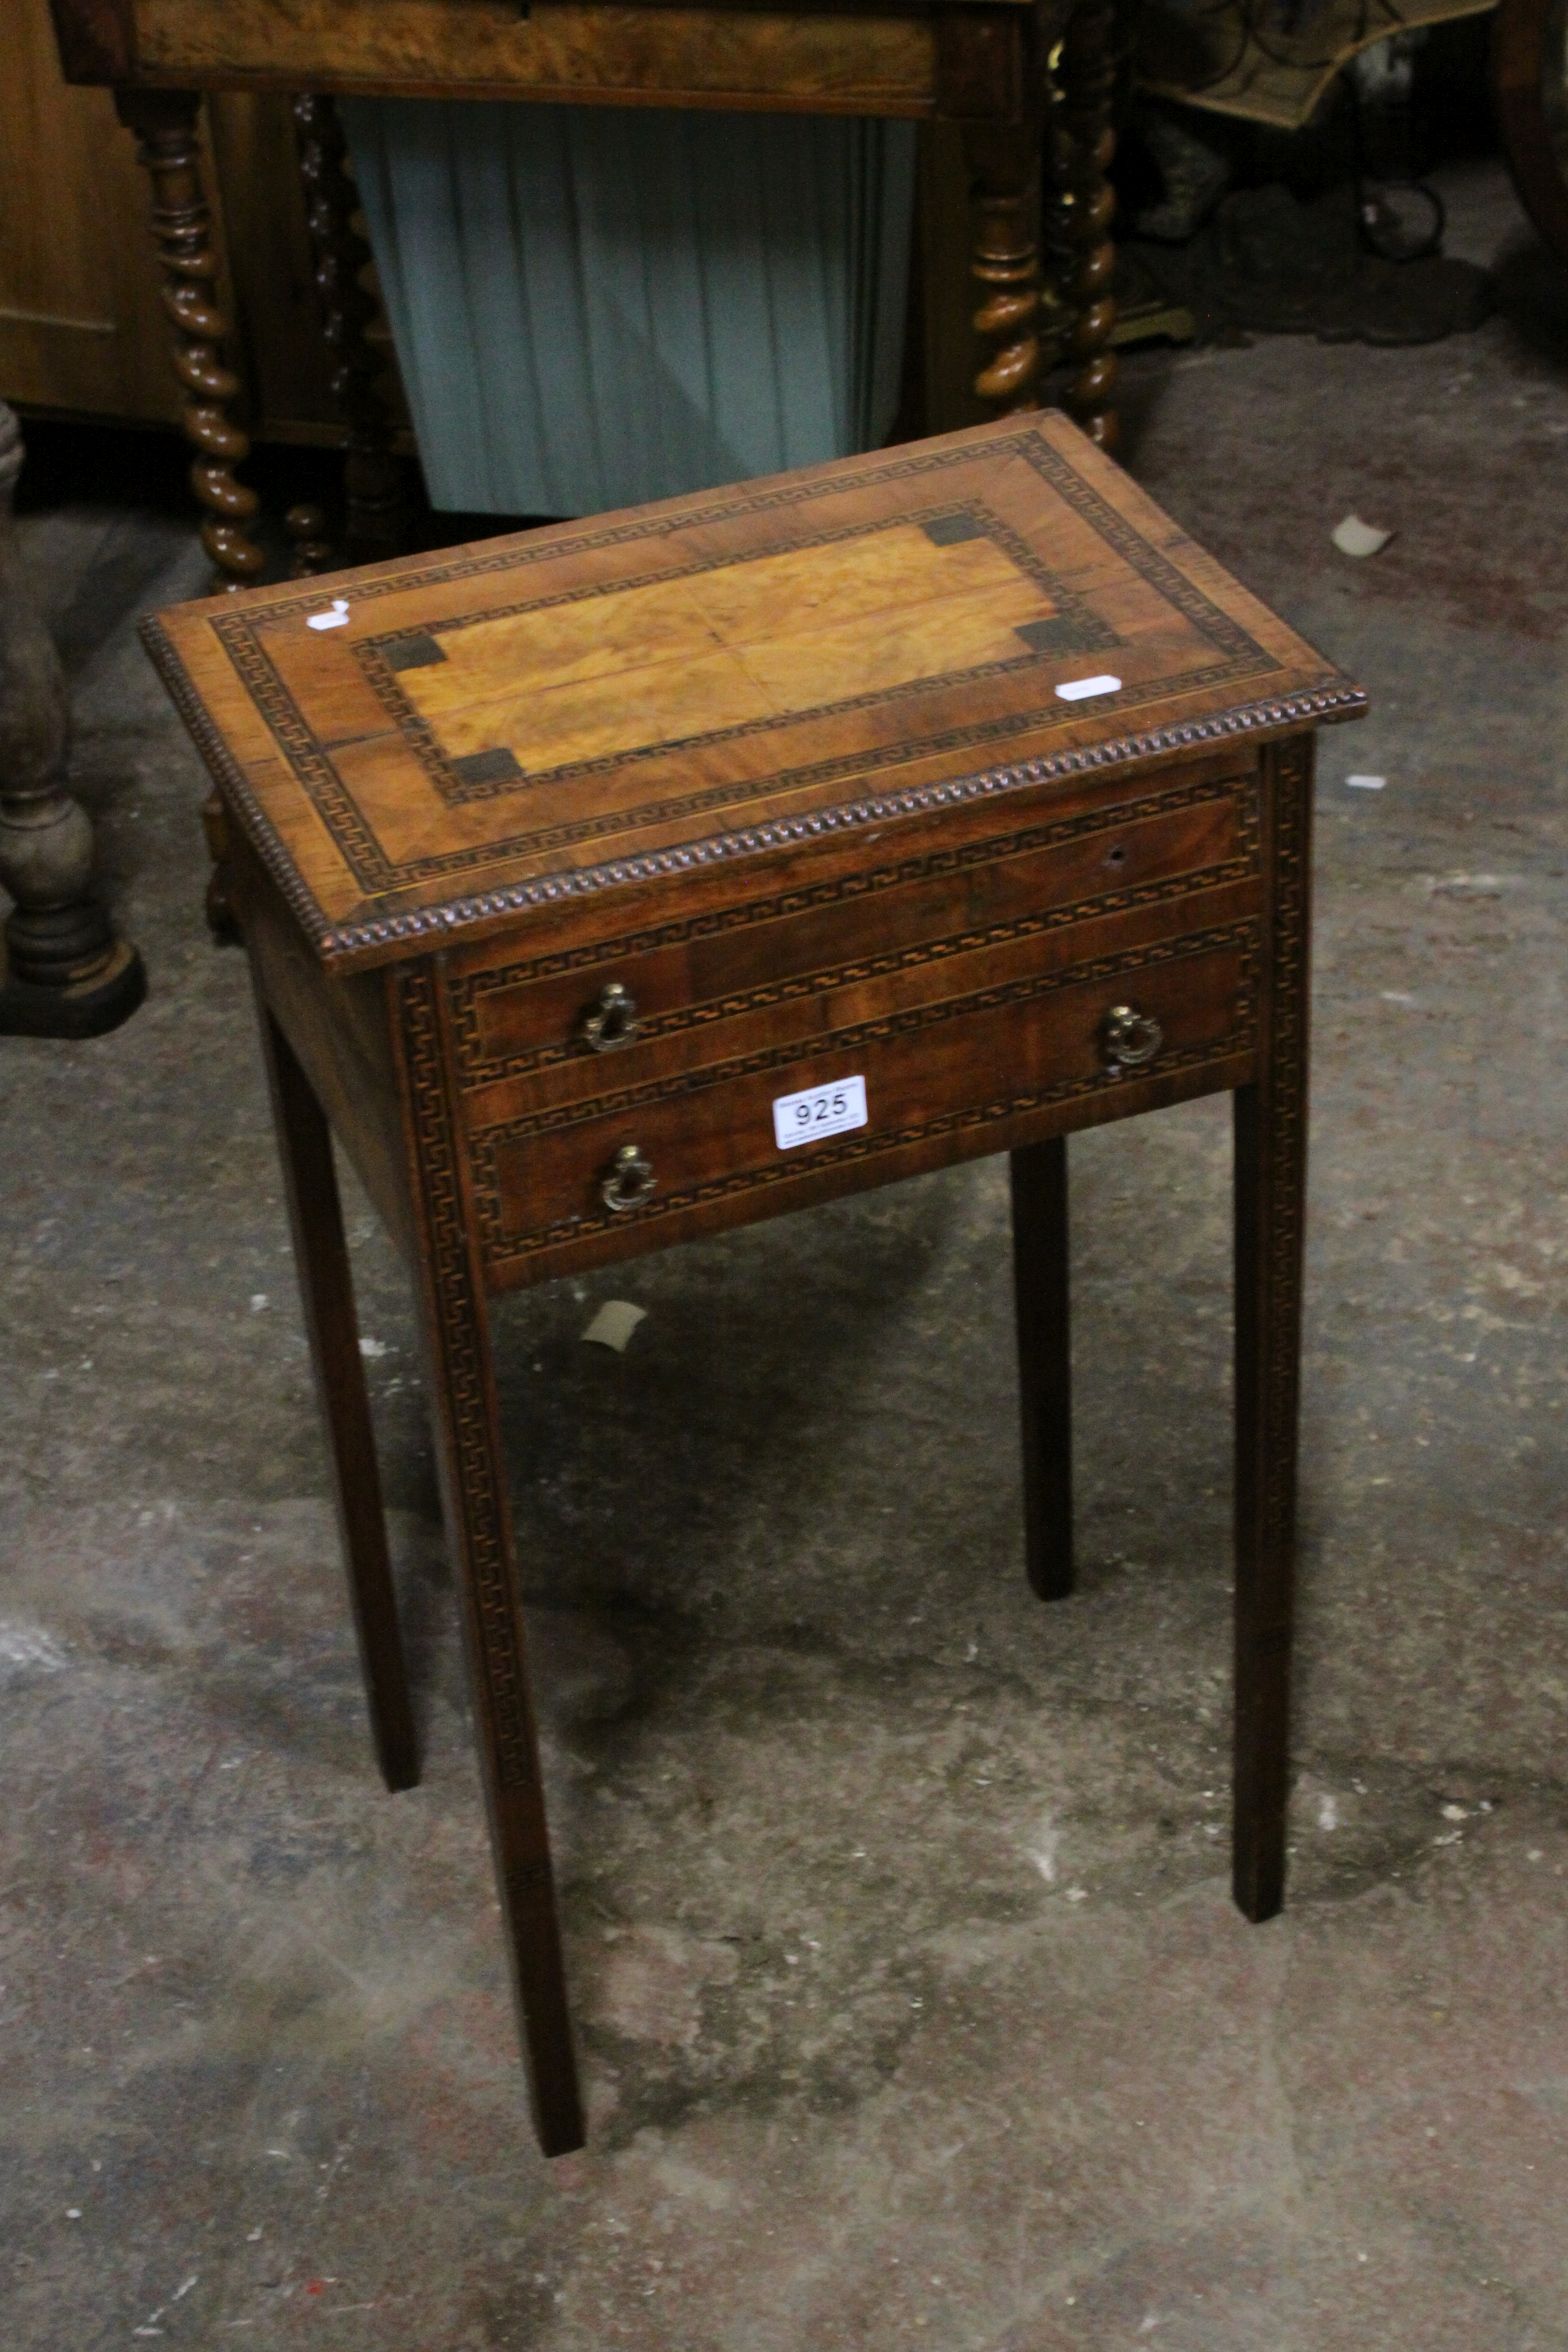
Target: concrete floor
913 2005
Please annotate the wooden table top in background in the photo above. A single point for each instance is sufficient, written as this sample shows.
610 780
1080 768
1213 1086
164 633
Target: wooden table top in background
820 56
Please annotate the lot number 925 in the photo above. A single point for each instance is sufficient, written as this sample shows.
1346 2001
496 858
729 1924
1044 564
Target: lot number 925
818 1112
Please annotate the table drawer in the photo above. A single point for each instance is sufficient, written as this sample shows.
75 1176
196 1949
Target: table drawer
671 999
950 1077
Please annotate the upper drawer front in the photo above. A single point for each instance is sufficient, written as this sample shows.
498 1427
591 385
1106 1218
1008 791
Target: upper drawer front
702 989
979 1069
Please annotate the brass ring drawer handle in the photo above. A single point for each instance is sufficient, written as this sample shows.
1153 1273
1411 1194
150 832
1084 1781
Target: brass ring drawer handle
1130 1038
629 1180
613 1020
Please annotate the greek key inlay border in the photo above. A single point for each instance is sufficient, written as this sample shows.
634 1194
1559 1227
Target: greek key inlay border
467 993
451 1281
375 874
387 932
485 1144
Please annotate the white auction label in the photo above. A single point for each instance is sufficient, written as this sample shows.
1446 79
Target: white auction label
819 1111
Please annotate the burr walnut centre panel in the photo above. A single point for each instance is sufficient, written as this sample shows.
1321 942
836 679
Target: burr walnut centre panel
567 687
431 748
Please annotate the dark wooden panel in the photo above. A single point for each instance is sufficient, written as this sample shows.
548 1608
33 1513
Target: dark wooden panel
1527 87
97 39
82 326
983 62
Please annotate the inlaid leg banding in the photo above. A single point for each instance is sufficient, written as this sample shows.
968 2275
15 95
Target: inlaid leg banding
479 1525
321 1257
1040 1277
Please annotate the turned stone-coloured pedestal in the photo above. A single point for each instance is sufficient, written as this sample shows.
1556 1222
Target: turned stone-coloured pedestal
64 973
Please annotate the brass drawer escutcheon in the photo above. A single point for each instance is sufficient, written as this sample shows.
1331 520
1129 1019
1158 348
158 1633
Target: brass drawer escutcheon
629 1180
613 1020
1130 1038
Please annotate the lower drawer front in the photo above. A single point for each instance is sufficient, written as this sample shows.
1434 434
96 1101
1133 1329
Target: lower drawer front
649 1163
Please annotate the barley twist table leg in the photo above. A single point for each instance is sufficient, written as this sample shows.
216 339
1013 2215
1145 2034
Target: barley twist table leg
1084 145
168 149
65 974
375 477
310 547
1003 160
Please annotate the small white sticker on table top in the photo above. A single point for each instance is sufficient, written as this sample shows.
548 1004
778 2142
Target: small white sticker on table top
336 617
819 1111
1079 689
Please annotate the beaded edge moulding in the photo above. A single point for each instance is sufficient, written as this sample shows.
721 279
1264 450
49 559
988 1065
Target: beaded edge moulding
344 946
355 943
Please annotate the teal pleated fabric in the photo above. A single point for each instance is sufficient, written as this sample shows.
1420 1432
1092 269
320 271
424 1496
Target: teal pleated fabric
596 306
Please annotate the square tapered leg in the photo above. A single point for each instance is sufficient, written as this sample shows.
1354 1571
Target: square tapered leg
1040 1278
1271 1135
456 1326
321 1257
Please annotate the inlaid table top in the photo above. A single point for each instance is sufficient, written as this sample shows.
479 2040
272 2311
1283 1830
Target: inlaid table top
427 750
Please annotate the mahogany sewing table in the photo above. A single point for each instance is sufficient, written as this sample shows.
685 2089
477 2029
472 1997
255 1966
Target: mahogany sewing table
1029 82
618 883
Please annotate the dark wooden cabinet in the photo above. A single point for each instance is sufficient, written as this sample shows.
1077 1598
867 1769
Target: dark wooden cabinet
83 331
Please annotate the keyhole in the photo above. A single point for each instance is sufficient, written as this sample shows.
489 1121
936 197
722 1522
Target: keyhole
1116 857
